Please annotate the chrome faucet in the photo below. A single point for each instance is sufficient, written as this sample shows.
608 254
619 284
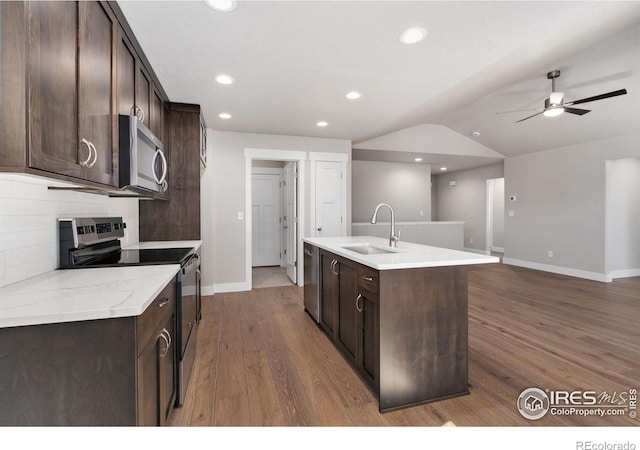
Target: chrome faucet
393 239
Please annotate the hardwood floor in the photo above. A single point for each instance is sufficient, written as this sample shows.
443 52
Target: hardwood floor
262 361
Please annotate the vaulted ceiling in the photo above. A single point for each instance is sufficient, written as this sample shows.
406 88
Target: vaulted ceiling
294 61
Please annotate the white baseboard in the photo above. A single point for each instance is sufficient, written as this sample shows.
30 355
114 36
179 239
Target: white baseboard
627 273
497 249
475 250
231 287
595 276
208 290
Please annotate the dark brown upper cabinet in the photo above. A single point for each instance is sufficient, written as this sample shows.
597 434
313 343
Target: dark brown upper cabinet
71 81
137 94
68 69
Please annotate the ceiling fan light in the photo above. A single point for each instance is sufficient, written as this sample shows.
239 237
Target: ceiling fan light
553 112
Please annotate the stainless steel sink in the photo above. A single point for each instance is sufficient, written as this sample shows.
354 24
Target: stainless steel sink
368 249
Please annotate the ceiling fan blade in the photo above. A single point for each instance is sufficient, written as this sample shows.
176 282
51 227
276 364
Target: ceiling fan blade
536 114
520 110
577 111
598 97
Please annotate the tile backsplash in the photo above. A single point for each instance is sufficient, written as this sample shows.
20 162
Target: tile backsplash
29 214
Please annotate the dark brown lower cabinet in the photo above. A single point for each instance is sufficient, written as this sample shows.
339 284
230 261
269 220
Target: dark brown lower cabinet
113 372
329 290
404 330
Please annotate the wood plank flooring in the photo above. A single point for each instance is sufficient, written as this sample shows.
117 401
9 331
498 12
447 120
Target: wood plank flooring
262 361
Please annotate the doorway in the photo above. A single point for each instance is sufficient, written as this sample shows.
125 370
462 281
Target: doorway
273 207
290 217
495 216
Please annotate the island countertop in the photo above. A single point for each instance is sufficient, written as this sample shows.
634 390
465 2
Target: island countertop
83 294
406 255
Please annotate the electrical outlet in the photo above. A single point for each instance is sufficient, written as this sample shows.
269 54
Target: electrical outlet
550 253
240 215
421 213
512 213
470 240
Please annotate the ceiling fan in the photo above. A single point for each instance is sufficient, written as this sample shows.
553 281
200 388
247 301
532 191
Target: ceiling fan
555 105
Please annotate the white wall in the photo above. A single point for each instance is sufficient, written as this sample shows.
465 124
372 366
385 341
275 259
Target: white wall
225 236
438 234
29 214
406 187
560 206
467 201
623 217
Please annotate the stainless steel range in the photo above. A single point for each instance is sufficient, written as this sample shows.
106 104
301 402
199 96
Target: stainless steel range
95 242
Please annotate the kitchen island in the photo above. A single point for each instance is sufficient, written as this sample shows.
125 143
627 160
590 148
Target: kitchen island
398 315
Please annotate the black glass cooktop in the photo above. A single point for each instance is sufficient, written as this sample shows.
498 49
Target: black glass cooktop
142 257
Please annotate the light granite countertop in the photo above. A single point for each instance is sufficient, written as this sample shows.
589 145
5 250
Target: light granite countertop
83 294
406 255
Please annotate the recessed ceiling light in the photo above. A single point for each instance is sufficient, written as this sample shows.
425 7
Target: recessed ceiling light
225 115
225 79
353 95
475 134
413 35
443 169
418 159
322 123
222 5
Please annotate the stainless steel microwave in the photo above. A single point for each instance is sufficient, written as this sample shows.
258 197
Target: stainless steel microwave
143 165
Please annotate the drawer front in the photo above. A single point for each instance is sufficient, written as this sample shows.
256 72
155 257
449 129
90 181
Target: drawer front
368 278
147 323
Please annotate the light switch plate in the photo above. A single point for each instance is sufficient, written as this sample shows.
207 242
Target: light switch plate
512 213
240 215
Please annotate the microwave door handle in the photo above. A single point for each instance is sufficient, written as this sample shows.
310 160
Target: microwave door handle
161 179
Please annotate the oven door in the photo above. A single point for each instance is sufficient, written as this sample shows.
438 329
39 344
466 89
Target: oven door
187 325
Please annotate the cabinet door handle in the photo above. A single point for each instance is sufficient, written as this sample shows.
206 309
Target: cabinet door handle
369 279
138 112
307 252
319 228
334 263
85 163
165 186
166 337
95 154
163 302
358 298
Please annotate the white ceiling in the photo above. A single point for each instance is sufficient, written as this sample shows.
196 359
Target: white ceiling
294 61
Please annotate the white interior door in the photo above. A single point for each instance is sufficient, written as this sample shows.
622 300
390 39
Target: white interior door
329 198
265 211
290 220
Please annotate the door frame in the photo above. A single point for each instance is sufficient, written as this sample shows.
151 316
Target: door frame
274 155
489 225
342 158
271 171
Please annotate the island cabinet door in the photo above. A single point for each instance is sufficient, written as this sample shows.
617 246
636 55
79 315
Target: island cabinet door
348 329
369 337
329 293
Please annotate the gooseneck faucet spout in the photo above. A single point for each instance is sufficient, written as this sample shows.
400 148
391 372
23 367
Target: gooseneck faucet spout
393 238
